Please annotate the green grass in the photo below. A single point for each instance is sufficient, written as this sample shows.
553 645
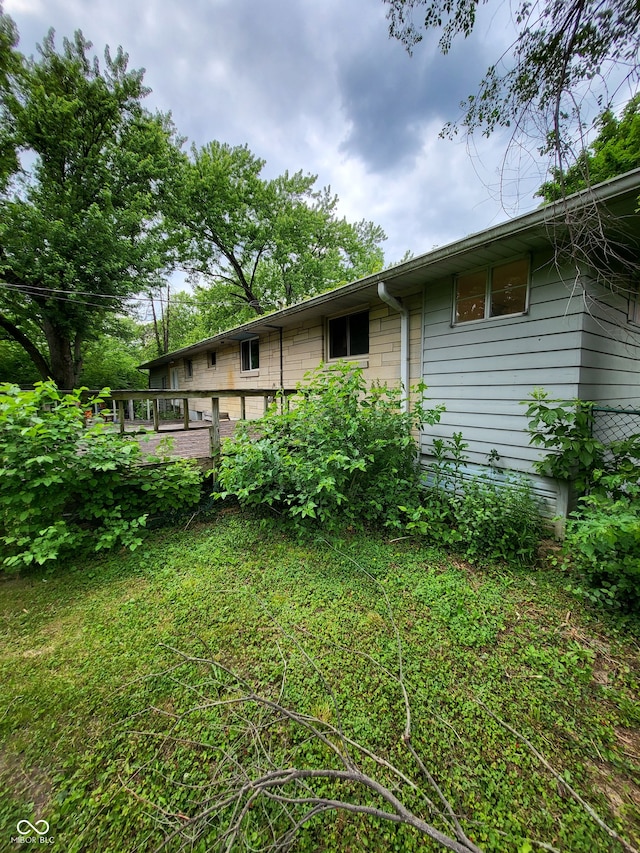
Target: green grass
95 737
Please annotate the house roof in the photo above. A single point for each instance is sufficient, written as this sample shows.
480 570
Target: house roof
522 234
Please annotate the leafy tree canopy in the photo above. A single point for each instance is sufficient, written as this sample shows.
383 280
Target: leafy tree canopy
80 227
615 150
177 320
112 358
266 242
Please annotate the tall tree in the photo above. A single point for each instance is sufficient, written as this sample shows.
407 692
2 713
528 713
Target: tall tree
174 320
615 150
80 223
11 68
267 242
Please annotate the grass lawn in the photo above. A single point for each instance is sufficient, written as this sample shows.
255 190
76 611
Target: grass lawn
109 735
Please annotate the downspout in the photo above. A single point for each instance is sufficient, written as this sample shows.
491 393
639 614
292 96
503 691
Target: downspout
396 305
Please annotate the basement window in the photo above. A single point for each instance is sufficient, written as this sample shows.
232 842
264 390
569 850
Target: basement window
349 335
498 291
250 354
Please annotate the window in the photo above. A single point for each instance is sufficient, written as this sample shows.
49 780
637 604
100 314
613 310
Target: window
212 358
499 291
349 335
188 368
250 354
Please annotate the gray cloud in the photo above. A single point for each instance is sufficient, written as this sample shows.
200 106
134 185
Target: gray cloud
391 98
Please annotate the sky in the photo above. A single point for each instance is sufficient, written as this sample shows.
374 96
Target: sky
318 86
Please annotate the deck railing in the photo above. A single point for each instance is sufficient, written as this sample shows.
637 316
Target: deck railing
153 397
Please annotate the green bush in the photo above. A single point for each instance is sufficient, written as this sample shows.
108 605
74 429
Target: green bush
499 520
482 518
602 545
602 541
338 453
67 483
487 520
565 428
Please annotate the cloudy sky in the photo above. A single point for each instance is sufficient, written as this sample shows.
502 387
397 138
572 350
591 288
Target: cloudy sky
317 85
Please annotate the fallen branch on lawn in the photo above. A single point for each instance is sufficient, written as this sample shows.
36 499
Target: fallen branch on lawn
287 794
566 786
275 768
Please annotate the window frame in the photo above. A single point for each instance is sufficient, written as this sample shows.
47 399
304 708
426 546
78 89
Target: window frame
488 271
247 342
348 314
188 368
212 358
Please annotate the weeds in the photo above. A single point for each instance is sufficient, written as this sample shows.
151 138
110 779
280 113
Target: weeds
107 738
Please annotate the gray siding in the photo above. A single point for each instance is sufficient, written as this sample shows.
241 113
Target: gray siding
611 352
483 371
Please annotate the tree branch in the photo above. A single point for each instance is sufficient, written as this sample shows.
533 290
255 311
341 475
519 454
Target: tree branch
30 348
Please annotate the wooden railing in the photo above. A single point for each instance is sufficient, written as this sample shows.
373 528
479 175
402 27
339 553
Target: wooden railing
153 396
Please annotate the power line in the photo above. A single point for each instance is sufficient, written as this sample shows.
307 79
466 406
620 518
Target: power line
67 296
29 288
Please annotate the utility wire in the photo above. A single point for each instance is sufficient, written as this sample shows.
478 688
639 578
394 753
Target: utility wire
28 288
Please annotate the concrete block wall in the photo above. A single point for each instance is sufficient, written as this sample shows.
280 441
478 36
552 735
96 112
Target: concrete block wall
303 349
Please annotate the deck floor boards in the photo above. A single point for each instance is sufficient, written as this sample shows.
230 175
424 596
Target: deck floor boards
187 444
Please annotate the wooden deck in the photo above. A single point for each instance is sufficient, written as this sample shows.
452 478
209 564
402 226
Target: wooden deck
193 443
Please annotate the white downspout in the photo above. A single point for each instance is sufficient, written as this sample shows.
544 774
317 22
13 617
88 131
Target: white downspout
394 303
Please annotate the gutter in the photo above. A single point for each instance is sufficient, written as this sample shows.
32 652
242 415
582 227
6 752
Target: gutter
396 305
546 217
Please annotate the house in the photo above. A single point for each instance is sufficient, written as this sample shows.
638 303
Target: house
483 321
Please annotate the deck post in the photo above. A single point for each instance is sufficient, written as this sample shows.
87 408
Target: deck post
132 411
214 429
243 408
121 415
156 416
185 416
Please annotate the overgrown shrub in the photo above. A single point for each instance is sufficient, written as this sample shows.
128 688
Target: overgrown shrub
481 518
603 545
499 520
67 483
602 541
338 453
565 427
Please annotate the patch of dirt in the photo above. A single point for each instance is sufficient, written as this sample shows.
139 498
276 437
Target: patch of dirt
29 784
629 740
34 653
622 794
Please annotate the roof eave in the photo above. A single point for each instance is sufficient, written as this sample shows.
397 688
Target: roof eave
543 217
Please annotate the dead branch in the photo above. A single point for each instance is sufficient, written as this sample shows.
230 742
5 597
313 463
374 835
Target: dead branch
263 778
246 783
565 785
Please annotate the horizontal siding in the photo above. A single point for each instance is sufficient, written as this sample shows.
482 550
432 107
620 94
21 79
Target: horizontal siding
483 372
551 499
611 355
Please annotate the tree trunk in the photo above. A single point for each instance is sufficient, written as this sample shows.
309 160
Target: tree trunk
64 355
